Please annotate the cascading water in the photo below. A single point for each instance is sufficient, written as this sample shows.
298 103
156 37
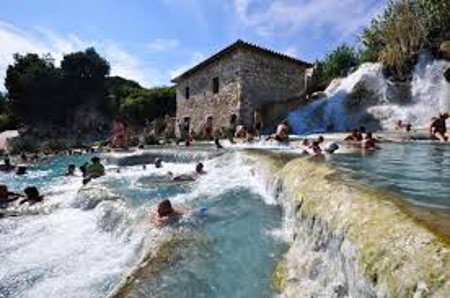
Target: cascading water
92 238
345 107
430 96
334 112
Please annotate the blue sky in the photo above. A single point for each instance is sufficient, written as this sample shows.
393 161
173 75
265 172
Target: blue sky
152 41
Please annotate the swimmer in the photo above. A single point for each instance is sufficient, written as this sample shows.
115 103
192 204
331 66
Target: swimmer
199 170
369 142
70 170
32 196
314 149
6 196
166 214
96 169
320 140
304 146
438 128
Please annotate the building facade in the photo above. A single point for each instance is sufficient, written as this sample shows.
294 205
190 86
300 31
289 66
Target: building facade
240 79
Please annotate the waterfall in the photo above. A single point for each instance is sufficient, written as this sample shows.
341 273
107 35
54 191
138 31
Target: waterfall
430 96
365 97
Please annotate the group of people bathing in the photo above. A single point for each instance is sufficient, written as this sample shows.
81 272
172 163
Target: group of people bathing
30 195
235 130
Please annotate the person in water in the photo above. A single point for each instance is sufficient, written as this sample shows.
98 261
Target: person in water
6 196
282 132
70 170
353 137
158 163
438 128
21 170
369 142
32 196
95 169
166 214
199 170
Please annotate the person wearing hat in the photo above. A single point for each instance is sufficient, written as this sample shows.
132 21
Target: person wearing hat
438 128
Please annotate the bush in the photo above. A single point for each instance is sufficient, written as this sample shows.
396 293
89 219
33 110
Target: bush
336 64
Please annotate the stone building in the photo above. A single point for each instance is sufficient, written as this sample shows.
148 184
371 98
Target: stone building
238 80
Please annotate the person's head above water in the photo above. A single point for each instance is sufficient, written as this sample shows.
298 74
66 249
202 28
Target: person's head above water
165 208
71 169
95 159
31 192
158 163
199 168
320 139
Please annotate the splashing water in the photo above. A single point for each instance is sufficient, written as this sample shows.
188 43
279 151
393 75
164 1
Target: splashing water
338 111
430 96
332 112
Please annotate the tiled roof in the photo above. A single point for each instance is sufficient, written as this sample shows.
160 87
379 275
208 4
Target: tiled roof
231 48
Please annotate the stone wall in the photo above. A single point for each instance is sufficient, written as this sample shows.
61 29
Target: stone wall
268 80
248 80
202 102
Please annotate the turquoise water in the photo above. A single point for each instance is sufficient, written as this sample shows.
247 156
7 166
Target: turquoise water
82 243
419 171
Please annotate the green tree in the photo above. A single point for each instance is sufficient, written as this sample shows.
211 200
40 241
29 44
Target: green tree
33 85
84 74
148 104
337 63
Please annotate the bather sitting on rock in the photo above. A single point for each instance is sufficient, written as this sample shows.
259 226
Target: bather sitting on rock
32 196
6 196
166 214
438 128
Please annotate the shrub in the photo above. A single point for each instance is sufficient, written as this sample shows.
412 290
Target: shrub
336 64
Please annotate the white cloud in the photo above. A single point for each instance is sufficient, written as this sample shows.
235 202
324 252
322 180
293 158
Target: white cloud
196 58
163 45
281 17
42 41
